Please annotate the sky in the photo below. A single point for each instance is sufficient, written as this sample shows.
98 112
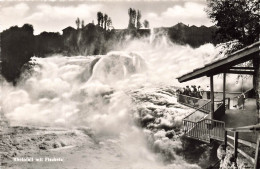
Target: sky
53 16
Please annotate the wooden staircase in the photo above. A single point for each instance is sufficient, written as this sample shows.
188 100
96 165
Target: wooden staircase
205 130
197 125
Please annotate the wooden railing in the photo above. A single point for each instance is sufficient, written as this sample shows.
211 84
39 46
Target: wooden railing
196 130
205 129
248 129
227 103
217 129
199 103
204 109
250 93
194 102
219 112
198 126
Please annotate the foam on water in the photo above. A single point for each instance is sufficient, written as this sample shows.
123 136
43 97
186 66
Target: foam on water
117 66
92 91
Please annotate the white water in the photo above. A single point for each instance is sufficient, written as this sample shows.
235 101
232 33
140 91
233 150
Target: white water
62 91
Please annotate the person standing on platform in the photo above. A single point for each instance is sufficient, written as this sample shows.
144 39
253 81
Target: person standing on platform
243 97
208 92
200 92
188 90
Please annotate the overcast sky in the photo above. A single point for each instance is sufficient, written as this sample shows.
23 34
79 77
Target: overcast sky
57 15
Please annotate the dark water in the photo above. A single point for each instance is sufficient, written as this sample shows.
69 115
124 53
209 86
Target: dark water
198 152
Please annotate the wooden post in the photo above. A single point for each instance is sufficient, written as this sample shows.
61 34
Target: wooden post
257 153
228 103
225 139
224 91
256 84
235 144
212 96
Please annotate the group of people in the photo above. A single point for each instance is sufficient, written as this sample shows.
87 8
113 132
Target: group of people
192 91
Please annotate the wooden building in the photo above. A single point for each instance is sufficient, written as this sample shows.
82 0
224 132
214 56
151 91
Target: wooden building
214 120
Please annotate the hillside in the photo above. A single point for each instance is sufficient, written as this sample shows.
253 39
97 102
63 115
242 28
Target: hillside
94 40
19 44
191 35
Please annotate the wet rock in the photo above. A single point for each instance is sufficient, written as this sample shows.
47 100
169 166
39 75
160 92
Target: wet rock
48 139
221 152
15 142
13 154
151 108
229 161
43 146
165 127
72 134
244 165
19 148
87 131
160 134
55 145
62 144
146 119
170 134
151 126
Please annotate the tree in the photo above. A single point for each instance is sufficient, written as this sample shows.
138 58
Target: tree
77 23
132 18
28 28
17 47
138 18
82 24
105 21
237 21
109 23
146 24
100 18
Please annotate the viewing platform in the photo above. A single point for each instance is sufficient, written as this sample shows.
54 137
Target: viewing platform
221 116
198 125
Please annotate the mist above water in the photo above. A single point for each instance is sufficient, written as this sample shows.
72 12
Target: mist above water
92 91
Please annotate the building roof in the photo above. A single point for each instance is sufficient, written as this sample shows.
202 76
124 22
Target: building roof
223 65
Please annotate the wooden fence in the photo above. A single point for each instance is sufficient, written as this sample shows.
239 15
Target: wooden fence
247 129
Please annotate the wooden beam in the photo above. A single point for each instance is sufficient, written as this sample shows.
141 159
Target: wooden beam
243 153
212 96
235 144
246 68
225 139
240 72
257 153
247 143
224 90
246 155
251 128
256 79
233 59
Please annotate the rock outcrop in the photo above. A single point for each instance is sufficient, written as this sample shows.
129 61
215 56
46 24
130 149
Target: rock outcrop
228 161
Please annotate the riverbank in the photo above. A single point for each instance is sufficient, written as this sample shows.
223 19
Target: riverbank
158 138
